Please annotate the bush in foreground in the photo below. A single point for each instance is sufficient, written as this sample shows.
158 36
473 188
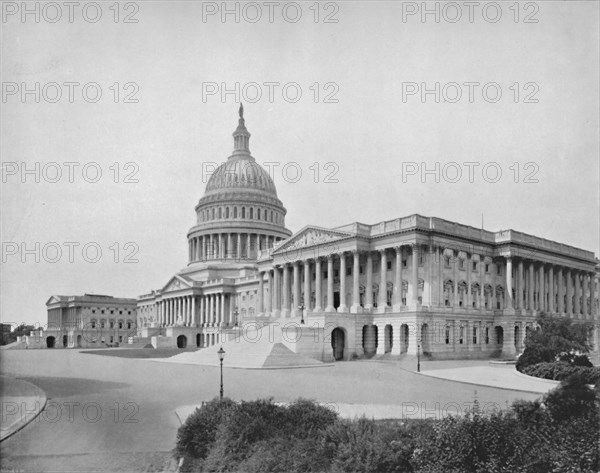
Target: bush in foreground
558 433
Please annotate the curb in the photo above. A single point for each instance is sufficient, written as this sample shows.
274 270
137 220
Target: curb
38 396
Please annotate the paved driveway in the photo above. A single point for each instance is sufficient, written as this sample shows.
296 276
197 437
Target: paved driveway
114 414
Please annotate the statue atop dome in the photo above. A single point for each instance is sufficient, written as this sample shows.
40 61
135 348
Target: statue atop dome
241 136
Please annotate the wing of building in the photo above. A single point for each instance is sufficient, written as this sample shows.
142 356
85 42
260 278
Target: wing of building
395 287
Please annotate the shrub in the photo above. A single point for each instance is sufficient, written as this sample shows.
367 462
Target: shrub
560 370
197 435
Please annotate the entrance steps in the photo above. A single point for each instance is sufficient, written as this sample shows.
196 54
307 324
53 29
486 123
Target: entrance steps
252 347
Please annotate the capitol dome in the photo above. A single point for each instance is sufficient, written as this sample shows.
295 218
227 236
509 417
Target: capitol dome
240 213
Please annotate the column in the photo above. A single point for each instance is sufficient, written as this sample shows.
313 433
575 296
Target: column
307 298
551 289
561 293
531 291
455 256
229 245
415 276
469 266
276 292
593 312
249 245
369 286
261 292
329 307
520 285
222 313
238 252
569 293
318 286
342 307
296 288
270 298
382 296
577 287
355 283
285 311
481 282
542 301
508 291
442 298
397 302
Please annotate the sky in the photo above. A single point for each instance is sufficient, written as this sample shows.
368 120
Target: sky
363 111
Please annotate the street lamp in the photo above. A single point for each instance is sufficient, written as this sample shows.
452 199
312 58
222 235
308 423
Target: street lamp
419 356
301 309
235 313
221 354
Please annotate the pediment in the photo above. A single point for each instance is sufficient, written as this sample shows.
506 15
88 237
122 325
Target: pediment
176 283
311 236
53 300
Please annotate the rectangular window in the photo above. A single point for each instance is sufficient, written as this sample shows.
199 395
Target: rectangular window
325 274
487 335
462 331
499 269
474 335
474 266
461 264
404 263
487 268
336 273
389 265
120 338
348 271
447 335
360 269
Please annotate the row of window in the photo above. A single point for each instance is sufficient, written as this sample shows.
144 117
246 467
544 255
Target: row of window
218 213
111 323
112 311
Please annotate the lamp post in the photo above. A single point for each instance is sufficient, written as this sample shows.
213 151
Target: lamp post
235 313
221 354
301 309
419 356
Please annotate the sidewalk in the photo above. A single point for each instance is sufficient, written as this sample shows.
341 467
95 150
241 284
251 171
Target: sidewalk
20 403
492 375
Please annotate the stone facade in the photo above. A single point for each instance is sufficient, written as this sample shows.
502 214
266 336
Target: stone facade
89 321
396 287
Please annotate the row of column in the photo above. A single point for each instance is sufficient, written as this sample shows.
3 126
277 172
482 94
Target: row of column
551 288
285 291
571 291
210 309
228 246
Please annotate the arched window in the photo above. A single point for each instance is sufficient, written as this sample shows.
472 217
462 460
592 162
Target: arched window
257 214
213 214
235 212
93 322
266 215
251 213
243 212
220 212
226 212
271 216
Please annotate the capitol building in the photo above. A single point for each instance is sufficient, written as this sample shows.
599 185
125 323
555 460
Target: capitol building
393 288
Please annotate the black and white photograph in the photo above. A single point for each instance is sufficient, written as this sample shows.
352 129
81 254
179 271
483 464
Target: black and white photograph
304 236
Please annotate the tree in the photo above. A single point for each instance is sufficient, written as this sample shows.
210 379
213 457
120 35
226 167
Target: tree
556 339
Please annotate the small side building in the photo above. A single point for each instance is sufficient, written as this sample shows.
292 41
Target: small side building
90 321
